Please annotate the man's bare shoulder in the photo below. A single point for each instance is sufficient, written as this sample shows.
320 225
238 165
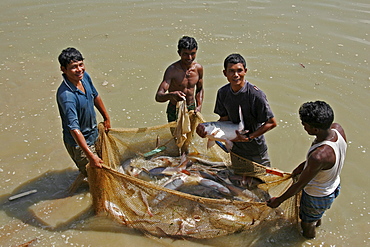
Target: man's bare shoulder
173 68
175 65
323 157
340 129
198 66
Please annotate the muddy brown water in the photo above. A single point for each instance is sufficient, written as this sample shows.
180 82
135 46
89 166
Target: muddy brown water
295 51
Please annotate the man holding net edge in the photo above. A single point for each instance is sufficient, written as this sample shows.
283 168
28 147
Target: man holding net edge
76 98
319 178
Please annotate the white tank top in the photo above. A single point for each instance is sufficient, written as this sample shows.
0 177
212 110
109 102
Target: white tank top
326 181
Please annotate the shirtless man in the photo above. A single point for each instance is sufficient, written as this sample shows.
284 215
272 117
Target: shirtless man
319 178
182 80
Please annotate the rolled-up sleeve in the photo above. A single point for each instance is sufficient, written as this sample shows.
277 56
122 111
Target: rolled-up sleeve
68 110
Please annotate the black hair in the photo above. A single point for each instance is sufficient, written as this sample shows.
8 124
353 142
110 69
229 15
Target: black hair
68 55
317 114
234 59
187 43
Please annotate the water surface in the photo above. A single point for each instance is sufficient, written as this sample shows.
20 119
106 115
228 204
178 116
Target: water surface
295 51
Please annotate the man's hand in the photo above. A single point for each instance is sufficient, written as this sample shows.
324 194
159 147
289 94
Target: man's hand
178 95
240 137
273 202
94 160
106 124
200 131
198 109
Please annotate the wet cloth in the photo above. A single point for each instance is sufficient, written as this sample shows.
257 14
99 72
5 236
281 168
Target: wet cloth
79 157
312 208
76 110
255 109
172 111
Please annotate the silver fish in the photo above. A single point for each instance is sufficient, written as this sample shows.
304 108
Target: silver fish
261 194
200 190
190 183
236 191
125 166
243 185
173 184
176 182
223 131
157 172
141 173
184 163
207 162
214 185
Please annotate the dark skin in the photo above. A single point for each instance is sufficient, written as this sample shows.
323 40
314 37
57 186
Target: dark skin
183 80
322 158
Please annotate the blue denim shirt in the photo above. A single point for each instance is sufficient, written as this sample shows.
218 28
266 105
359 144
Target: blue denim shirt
76 110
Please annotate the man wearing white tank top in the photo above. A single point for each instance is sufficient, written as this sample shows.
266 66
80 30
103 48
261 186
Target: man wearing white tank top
319 178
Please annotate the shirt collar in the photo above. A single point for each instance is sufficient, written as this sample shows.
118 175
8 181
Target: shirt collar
69 84
243 89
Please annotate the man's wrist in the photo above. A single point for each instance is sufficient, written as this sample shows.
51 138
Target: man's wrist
249 137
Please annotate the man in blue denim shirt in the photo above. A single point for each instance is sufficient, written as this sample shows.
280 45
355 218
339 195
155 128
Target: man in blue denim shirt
76 98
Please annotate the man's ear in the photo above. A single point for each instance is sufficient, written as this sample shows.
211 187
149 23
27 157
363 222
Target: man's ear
63 69
316 130
224 72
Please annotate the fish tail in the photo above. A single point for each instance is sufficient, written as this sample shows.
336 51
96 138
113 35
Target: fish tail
210 143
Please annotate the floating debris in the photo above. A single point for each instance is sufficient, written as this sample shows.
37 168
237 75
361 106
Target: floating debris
23 194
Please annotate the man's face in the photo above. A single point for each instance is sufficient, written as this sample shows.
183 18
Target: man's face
309 129
187 56
74 71
235 74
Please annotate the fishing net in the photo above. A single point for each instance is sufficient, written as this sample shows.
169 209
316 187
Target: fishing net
143 203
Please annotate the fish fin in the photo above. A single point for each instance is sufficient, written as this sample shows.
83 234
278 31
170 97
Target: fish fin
157 143
222 146
241 123
183 158
184 162
170 170
210 143
229 145
185 172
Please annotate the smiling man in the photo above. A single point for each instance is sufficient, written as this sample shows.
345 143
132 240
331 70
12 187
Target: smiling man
182 80
76 98
257 115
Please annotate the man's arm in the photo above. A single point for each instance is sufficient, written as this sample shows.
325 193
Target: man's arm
163 95
80 140
338 127
298 170
199 94
98 102
266 126
315 163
